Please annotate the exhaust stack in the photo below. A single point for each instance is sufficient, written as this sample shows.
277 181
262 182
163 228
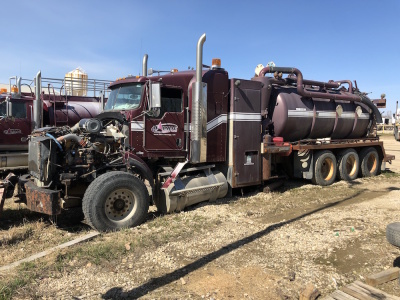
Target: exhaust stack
19 86
144 65
198 144
37 104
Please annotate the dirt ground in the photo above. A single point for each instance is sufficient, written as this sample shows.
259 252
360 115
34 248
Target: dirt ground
256 246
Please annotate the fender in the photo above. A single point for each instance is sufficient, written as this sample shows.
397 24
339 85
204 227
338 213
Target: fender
132 160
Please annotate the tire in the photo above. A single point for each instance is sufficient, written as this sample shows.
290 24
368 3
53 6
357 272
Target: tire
325 168
393 234
115 200
370 164
348 164
396 133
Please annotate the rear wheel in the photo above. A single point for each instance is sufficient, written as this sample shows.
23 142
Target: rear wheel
325 167
115 200
370 164
348 164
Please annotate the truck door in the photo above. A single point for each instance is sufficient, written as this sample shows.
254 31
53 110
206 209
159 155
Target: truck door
245 132
165 131
15 129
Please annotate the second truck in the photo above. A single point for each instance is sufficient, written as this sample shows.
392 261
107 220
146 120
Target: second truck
181 138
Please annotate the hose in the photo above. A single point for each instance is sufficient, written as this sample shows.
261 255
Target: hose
55 140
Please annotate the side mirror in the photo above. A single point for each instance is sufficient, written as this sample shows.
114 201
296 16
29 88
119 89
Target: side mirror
155 95
150 72
8 107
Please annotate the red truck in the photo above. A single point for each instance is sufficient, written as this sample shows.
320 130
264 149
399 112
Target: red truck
57 105
180 138
50 101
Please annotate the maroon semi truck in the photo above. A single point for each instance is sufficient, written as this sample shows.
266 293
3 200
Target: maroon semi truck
56 103
180 138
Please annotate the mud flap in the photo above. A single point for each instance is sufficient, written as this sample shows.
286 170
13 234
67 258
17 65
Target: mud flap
174 174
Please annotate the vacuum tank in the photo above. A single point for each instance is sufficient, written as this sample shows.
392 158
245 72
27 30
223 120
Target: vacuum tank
295 117
298 109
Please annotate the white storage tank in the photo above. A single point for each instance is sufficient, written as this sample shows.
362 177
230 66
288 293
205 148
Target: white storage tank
76 82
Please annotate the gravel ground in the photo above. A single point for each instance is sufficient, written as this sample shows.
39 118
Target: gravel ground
261 246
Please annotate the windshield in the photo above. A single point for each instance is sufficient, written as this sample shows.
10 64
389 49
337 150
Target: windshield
125 97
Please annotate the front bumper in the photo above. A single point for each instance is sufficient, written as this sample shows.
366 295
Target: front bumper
42 200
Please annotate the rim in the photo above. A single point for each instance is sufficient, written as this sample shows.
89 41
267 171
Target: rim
327 169
120 205
351 165
371 163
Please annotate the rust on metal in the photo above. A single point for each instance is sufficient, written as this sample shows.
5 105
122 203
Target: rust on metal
266 166
380 103
42 200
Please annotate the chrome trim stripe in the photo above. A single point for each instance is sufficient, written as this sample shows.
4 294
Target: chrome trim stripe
245 116
221 119
137 126
325 114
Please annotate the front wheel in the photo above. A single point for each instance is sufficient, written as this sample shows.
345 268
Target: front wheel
115 200
325 168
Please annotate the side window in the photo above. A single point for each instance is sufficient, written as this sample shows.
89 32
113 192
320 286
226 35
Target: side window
171 101
19 110
3 109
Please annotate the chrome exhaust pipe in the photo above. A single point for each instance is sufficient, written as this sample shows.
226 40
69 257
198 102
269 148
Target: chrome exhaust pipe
37 104
198 144
19 86
144 65
199 58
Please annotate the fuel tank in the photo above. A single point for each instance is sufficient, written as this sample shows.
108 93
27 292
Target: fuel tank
296 118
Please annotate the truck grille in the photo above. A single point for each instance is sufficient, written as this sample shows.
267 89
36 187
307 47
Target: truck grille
41 159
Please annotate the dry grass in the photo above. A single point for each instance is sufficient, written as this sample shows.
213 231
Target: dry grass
26 233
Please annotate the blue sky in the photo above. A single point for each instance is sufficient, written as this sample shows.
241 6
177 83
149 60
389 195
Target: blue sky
324 39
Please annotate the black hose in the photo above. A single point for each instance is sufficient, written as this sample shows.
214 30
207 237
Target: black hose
372 106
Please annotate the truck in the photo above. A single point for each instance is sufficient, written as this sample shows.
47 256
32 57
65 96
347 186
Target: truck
49 101
184 137
56 102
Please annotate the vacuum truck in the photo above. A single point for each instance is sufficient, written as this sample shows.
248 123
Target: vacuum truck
180 138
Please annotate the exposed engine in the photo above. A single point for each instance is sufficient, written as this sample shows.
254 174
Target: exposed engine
79 153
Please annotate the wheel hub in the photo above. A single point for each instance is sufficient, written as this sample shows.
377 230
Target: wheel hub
327 169
351 165
119 204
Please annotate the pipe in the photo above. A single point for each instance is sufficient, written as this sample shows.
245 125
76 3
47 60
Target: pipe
37 105
199 58
55 140
327 85
144 65
198 144
75 128
368 102
348 82
70 137
19 86
11 78
301 91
